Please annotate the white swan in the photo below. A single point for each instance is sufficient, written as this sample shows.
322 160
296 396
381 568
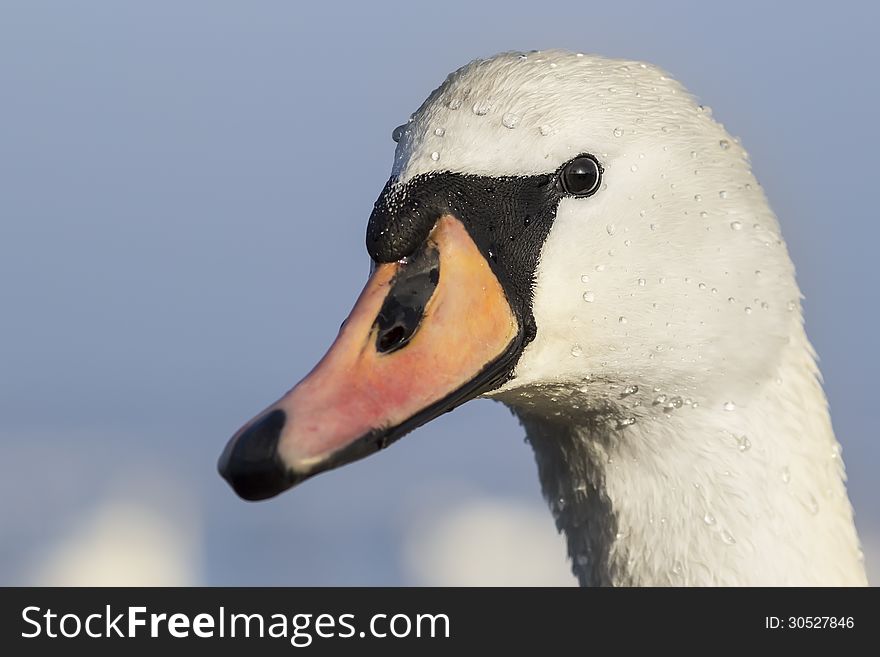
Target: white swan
576 237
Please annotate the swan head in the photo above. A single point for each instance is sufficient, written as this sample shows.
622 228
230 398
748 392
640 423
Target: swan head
557 230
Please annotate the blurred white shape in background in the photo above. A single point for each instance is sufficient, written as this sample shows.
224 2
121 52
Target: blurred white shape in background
486 542
146 537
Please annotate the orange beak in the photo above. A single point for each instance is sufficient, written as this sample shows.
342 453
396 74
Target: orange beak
427 333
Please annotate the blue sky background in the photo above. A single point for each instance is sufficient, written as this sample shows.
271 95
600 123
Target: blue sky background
184 188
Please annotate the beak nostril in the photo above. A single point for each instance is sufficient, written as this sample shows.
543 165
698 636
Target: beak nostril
404 307
391 339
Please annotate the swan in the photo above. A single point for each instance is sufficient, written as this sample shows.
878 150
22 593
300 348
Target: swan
576 237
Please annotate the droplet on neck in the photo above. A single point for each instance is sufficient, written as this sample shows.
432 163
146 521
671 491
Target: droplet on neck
812 505
589 297
727 537
510 120
729 406
440 132
545 130
743 443
709 519
435 156
673 403
482 107
736 225
786 475
585 278
618 132
724 144
454 104
576 351
397 133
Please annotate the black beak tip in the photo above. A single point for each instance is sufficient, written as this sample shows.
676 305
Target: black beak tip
250 462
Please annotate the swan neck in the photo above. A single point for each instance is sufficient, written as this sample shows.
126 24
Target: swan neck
700 494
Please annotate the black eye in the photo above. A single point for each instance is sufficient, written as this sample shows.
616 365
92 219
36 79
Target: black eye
581 176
